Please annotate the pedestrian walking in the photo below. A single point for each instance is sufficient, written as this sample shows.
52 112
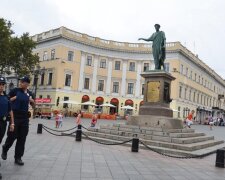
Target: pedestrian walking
20 99
211 123
56 120
60 119
94 120
78 119
5 112
189 119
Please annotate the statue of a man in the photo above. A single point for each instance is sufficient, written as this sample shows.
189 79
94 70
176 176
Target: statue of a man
158 47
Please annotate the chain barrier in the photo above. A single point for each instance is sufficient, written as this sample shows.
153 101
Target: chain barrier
58 134
124 142
58 130
99 142
85 128
178 157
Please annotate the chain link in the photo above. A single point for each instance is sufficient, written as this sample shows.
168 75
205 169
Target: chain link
178 157
115 143
59 130
58 134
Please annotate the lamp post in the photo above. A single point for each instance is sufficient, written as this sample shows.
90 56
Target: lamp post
36 72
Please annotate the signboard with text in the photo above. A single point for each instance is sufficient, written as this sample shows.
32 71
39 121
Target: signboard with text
42 100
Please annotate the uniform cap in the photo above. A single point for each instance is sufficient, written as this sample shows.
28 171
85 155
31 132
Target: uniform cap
25 79
2 80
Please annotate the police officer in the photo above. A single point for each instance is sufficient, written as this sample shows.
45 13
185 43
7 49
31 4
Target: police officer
20 99
5 111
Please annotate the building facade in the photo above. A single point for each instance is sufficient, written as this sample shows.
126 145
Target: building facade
84 68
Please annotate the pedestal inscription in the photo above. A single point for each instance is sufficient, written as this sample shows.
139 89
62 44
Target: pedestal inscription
153 91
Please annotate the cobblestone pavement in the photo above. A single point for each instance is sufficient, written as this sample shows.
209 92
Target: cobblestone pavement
56 158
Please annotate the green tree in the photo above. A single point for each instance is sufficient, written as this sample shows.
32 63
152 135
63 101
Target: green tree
16 52
22 60
5 45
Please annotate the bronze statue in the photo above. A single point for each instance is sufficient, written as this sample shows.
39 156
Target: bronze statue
158 47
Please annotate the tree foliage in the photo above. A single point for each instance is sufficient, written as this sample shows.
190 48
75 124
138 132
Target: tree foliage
16 52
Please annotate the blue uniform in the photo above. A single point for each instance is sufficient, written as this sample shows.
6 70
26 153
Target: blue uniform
20 108
5 108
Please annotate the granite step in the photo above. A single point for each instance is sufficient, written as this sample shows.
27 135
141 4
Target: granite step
159 143
146 130
165 136
185 135
190 140
164 150
185 147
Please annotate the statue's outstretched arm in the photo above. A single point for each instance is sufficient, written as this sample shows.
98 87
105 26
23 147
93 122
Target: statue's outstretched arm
151 38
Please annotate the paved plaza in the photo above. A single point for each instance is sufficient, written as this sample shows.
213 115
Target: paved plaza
53 157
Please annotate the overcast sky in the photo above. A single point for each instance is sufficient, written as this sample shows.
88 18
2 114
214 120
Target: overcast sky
197 24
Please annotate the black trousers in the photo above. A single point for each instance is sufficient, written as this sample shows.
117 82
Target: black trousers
3 125
19 134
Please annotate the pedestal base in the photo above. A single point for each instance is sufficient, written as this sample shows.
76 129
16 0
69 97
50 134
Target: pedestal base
155 110
155 121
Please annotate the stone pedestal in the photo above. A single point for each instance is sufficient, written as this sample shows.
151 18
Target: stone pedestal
155 111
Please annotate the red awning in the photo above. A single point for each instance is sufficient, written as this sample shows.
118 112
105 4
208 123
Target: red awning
85 98
114 101
141 103
99 99
129 102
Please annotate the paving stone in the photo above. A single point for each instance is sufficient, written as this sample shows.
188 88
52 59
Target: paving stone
52 157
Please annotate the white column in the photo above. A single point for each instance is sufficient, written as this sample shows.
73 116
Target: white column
81 79
109 77
93 89
138 88
124 75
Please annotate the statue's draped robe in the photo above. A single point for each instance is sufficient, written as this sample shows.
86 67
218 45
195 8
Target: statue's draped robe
159 53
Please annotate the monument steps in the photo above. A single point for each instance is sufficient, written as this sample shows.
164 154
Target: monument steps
181 141
163 150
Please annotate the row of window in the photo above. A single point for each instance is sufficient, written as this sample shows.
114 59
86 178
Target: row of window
197 97
115 89
68 78
70 55
197 78
41 96
102 64
117 65
42 79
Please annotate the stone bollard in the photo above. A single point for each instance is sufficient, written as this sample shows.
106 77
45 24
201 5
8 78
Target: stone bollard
79 133
135 145
220 157
39 129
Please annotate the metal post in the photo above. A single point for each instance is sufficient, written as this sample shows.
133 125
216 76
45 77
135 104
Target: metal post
220 158
135 145
39 129
79 133
35 93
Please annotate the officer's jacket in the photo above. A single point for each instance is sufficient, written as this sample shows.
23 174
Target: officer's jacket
21 103
5 106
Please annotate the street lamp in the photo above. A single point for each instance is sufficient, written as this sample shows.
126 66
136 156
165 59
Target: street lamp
36 72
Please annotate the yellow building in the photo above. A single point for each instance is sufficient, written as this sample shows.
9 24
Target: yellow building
84 68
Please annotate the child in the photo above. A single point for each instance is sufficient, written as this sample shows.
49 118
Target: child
211 123
56 120
94 120
78 119
60 119
190 119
